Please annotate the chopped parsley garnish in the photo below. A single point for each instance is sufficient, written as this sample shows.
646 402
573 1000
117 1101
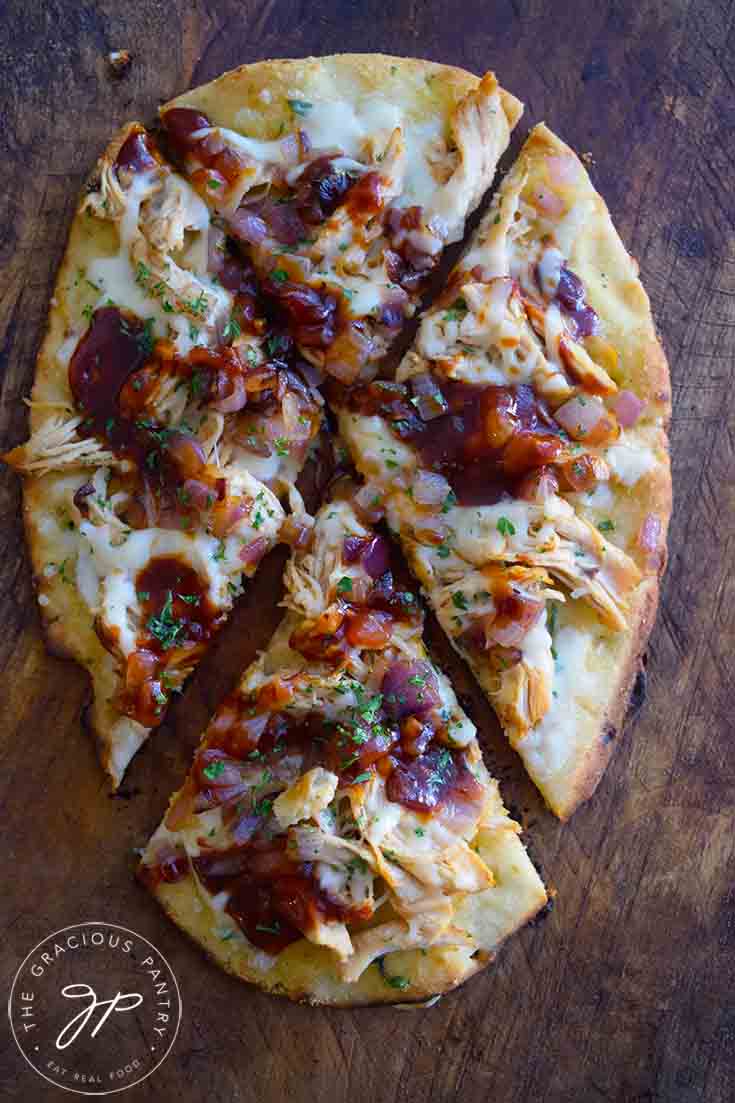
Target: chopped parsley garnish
275 928
457 310
276 345
459 601
198 384
145 339
190 599
232 330
606 525
214 770
280 275
193 333
220 553
401 983
300 107
142 273
506 527
344 585
214 184
263 807
165 627
283 445
197 306
363 777
449 501
143 595
420 832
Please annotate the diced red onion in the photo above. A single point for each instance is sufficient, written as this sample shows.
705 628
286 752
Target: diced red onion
409 689
628 408
548 202
247 226
347 353
216 253
562 168
579 416
650 532
243 827
430 402
81 495
430 530
369 504
290 149
283 221
186 452
198 493
507 635
251 554
296 427
224 519
430 488
370 630
235 400
296 532
538 485
372 551
649 540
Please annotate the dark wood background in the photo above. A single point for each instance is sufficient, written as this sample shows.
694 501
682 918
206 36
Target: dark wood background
625 991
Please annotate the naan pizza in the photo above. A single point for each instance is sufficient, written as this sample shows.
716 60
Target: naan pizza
338 838
521 456
277 232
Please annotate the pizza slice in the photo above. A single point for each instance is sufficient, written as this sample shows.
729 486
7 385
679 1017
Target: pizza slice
194 316
521 456
338 838
342 178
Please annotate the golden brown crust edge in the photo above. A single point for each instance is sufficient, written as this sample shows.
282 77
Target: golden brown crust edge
373 71
305 973
651 380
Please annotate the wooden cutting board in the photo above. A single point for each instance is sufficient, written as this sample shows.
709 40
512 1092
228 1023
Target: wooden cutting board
625 991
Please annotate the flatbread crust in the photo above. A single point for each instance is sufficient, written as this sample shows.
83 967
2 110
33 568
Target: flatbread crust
565 752
610 276
305 971
257 100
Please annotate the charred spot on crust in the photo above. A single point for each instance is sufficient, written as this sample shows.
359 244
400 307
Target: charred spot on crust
543 914
125 794
638 695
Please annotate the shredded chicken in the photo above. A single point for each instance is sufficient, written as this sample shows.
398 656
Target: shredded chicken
480 142
311 793
57 445
361 227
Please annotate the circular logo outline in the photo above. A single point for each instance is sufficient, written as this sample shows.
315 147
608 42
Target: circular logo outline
115 927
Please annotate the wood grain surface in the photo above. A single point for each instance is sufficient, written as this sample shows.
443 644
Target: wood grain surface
625 991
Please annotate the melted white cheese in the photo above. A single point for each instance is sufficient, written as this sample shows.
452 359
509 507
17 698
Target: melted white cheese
549 748
628 462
